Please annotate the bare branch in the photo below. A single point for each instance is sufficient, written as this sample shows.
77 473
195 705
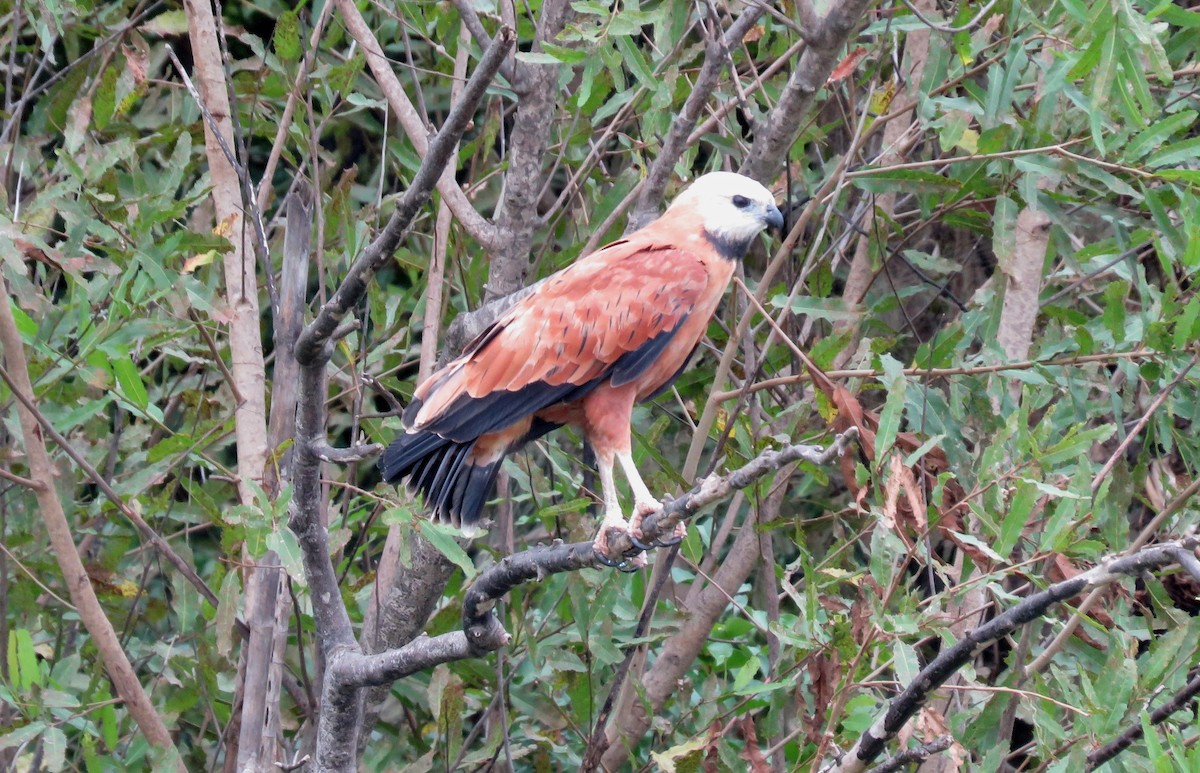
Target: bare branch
1133 733
470 20
540 562
328 453
464 211
910 756
905 705
83 596
716 57
266 605
517 216
948 28
144 529
381 248
773 136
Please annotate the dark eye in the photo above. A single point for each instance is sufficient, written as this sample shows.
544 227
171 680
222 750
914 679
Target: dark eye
741 202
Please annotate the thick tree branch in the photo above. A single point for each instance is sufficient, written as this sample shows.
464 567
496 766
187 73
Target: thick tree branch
517 217
341 710
241 282
774 135
910 756
267 602
1133 733
905 705
540 562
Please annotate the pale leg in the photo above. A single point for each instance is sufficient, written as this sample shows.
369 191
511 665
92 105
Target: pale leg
644 502
613 518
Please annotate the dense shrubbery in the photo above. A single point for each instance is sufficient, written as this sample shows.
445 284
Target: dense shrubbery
995 268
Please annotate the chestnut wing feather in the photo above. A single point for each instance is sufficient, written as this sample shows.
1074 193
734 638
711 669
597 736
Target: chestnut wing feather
607 316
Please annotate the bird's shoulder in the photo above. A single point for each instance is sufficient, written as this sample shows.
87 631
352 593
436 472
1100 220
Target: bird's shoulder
628 264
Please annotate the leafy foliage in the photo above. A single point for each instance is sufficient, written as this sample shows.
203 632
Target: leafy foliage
1083 111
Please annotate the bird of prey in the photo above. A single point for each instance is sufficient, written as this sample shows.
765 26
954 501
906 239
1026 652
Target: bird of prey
612 329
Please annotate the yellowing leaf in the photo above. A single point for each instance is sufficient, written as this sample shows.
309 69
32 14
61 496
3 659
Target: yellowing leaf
881 99
196 261
969 141
225 227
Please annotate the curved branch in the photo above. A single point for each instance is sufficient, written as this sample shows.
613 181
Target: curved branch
414 128
1179 700
905 705
539 562
314 337
116 662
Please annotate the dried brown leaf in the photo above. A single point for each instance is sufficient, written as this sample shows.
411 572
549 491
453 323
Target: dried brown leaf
846 66
751 753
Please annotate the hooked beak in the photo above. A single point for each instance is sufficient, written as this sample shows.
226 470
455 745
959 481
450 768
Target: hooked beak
774 219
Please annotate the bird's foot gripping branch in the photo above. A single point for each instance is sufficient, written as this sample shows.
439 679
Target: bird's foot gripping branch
480 625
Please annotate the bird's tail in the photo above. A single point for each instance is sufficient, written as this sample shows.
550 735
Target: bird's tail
453 485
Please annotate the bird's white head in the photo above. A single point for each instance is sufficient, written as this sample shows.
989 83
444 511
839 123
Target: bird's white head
732 208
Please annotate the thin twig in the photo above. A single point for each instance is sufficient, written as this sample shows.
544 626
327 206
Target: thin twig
1161 398
977 370
147 532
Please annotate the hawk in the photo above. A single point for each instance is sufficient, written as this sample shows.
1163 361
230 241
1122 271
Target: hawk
613 329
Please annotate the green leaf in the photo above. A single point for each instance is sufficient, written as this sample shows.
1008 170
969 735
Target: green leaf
666 760
283 541
1158 133
1176 153
104 103
1075 446
882 180
445 539
564 54
22 735
287 36
167 23
537 57
1114 309
895 383
1004 234
1020 508
744 674
1186 330
54 747
23 666
828 309
905 662
228 605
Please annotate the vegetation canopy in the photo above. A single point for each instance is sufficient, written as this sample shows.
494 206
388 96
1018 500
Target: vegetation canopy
936 453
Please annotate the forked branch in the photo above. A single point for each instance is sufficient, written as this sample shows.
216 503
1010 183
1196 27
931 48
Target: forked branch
905 705
341 704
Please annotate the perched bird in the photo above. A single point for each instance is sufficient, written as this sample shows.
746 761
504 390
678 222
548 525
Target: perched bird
614 328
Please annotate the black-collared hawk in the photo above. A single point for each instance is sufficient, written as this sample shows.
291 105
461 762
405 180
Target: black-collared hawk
612 329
